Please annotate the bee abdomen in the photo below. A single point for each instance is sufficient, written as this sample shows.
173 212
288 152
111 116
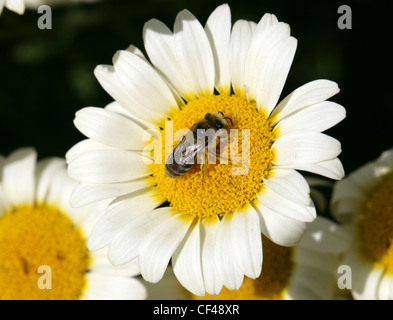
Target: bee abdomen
176 170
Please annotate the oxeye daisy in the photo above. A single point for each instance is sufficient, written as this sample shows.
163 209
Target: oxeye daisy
363 203
43 252
209 219
307 271
17 6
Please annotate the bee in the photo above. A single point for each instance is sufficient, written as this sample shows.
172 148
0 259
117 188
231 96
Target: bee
184 155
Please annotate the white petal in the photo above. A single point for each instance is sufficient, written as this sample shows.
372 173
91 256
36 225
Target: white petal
332 168
45 172
105 287
109 166
230 273
17 6
275 202
322 284
19 176
160 46
110 81
318 117
194 53
325 235
218 30
213 283
128 209
315 259
305 147
86 193
274 73
186 261
304 96
247 241
101 264
110 128
290 184
261 49
148 90
82 147
161 243
385 289
280 229
140 201
365 278
241 35
126 235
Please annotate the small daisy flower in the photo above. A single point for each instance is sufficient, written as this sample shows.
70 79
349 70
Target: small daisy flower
43 252
363 203
210 227
17 6
307 271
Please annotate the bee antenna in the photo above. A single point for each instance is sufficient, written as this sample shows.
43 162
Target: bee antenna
229 119
220 112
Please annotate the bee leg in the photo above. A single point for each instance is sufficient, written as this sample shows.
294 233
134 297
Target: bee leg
218 157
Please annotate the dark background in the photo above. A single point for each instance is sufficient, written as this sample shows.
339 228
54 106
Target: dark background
47 75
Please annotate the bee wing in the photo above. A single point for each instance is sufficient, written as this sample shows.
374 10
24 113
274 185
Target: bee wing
185 152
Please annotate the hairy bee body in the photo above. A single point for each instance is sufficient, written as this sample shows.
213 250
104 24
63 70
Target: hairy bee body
184 154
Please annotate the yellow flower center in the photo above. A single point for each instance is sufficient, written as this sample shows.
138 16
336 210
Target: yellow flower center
377 224
42 255
241 165
271 284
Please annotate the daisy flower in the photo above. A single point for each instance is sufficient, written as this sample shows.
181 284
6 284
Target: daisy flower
17 6
307 271
210 228
363 203
43 252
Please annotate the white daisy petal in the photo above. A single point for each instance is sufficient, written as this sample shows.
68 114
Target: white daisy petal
194 53
317 281
17 6
247 242
218 30
313 258
110 128
365 279
266 36
304 96
110 81
83 146
118 216
305 147
105 287
213 284
280 229
109 166
86 193
332 168
160 47
277 203
241 35
18 176
318 117
149 92
162 243
325 235
290 184
385 289
186 261
101 264
274 73
230 273
45 172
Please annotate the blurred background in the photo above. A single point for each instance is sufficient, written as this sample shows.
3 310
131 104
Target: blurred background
47 75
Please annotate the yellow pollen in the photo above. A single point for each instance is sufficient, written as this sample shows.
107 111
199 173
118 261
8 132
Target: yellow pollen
271 284
35 236
222 191
376 225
